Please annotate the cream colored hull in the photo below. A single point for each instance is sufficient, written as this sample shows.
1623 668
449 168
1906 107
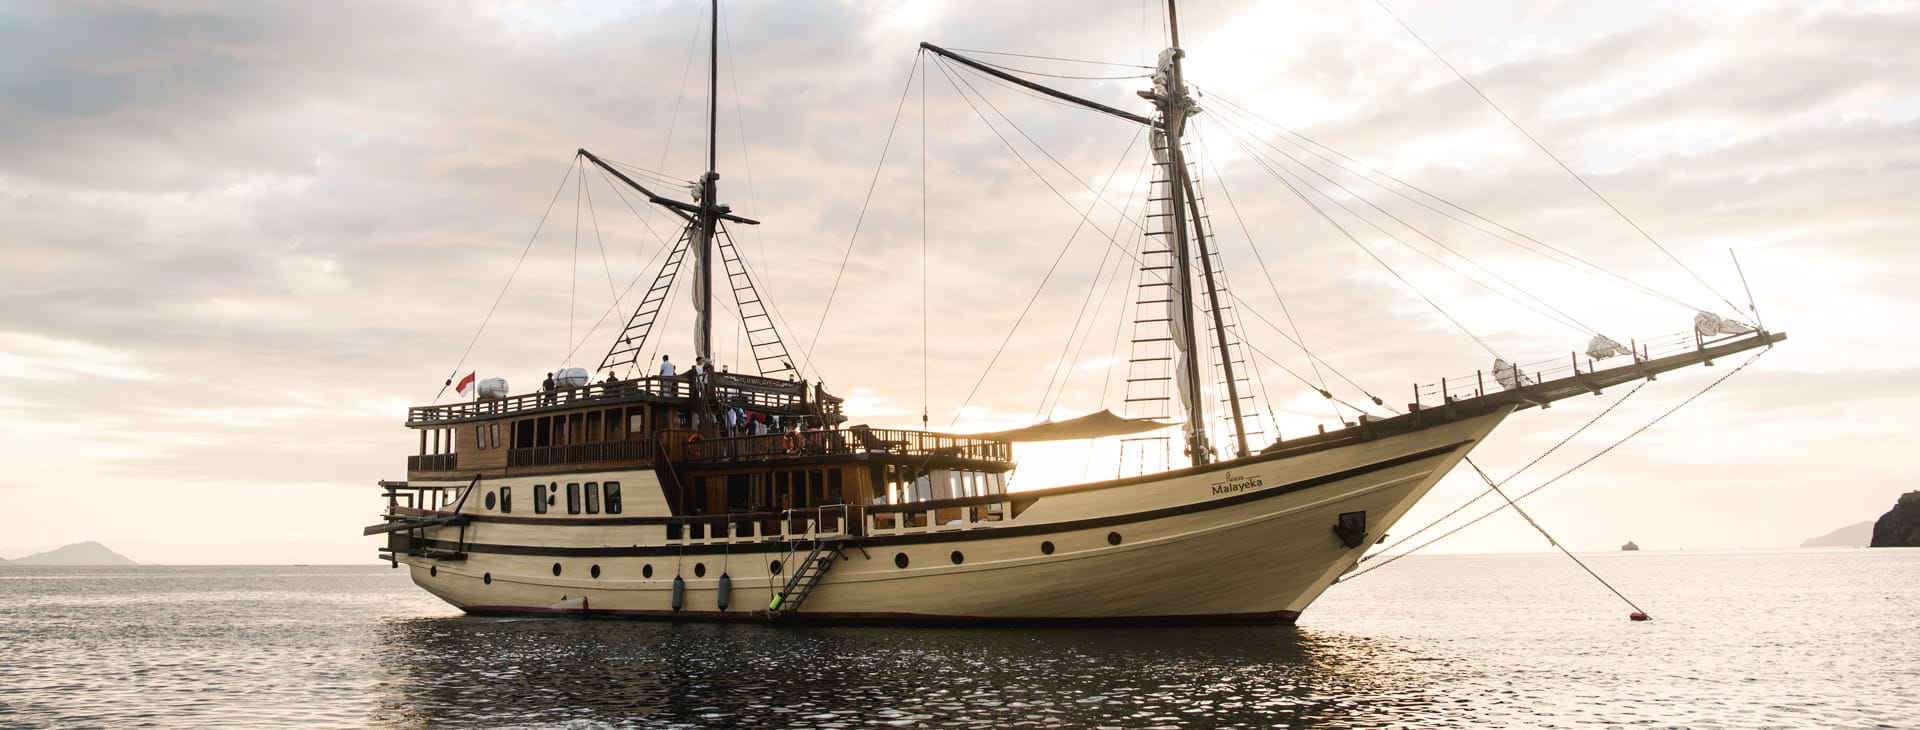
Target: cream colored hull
1251 540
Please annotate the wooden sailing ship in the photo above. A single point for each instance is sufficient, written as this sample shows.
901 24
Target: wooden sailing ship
641 497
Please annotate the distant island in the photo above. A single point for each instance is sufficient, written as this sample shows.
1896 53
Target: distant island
1899 527
79 553
1854 535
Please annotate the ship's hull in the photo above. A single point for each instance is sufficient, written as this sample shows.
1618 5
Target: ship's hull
1252 540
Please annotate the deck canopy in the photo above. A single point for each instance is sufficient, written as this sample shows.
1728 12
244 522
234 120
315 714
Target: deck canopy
1091 426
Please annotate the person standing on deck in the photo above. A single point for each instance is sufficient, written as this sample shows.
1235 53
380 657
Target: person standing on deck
666 376
546 390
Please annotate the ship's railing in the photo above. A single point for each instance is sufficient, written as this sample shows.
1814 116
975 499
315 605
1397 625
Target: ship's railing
841 520
433 462
722 389
641 450
846 441
1484 382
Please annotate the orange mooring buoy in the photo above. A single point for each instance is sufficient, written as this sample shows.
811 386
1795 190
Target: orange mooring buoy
1638 616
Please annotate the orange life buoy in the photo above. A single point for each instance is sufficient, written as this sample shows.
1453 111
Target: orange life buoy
790 442
693 446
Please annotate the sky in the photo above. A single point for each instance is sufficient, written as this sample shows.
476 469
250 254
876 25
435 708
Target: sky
241 238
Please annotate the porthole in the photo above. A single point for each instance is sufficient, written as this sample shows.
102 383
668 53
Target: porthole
556 569
646 571
594 571
699 570
958 558
900 560
489 500
773 568
433 571
1113 538
1046 547
487 578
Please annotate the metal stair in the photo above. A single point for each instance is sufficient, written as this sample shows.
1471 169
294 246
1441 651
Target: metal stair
803 580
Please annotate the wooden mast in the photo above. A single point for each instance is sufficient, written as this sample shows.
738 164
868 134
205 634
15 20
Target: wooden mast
709 210
1173 117
1182 192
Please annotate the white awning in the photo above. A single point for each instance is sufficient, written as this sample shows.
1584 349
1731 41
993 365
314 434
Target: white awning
1090 426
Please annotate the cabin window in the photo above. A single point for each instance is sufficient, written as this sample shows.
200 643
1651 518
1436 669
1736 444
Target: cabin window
816 488
834 487
506 499
523 434
539 499
480 437
493 435
489 500
573 498
593 498
613 497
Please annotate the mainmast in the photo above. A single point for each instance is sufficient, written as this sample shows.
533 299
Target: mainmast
710 211
1175 106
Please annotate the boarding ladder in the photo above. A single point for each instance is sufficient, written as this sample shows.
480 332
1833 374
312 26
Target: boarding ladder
823 550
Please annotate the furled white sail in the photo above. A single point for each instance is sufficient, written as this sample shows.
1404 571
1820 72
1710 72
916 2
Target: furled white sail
1509 375
1708 324
1603 347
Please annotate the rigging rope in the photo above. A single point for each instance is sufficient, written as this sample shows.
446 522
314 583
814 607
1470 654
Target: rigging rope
1556 543
510 275
957 83
806 359
1517 472
1552 313
1603 452
1316 149
1556 158
1268 273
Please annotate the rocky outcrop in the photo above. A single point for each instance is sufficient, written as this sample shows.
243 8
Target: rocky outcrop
79 553
1855 535
1899 527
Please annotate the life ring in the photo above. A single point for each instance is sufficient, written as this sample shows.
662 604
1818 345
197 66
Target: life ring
693 446
790 442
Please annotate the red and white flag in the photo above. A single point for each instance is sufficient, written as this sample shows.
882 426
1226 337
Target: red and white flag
466 384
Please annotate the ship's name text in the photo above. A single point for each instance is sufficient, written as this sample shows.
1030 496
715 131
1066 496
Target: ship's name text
1235 484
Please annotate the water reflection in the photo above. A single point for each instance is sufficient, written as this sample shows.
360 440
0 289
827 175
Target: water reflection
467 671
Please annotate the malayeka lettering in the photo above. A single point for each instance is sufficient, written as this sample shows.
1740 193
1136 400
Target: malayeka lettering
1235 484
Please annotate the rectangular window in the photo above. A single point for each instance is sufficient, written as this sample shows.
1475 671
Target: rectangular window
816 488
479 437
539 499
493 435
613 497
573 498
834 486
593 498
506 499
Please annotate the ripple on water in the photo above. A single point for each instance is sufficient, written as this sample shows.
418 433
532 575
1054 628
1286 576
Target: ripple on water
1511 641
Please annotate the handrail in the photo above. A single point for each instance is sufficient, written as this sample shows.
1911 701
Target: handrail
848 441
781 397
1480 383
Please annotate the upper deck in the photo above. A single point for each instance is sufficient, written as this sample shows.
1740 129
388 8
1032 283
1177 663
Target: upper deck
770 395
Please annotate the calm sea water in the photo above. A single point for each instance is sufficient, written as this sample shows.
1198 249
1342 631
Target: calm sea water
1798 639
